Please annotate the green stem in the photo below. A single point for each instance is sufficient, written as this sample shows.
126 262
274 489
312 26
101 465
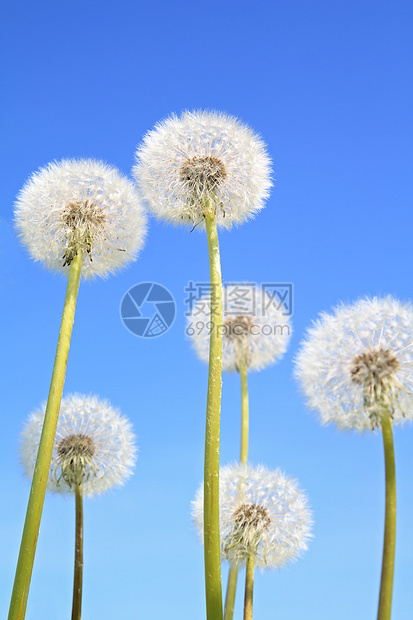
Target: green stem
233 571
41 471
231 591
389 544
244 414
211 465
78 578
249 588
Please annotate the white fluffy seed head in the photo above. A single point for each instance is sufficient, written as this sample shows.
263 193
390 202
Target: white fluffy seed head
203 159
262 513
255 329
82 204
358 362
94 446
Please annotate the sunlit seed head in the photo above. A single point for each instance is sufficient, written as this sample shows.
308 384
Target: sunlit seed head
357 364
84 206
202 162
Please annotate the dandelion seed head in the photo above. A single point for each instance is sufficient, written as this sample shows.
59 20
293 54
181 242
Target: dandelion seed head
94 446
75 452
262 514
202 175
358 362
254 337
203 160
237 328
250 522
80 205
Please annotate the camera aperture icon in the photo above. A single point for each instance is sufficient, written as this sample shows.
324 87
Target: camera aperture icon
148 310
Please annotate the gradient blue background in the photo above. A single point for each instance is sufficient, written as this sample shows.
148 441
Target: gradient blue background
329 87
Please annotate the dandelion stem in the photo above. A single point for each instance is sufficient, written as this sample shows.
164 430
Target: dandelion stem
41 471
249 587
231 591
244 414
212 550
233 571
78 577
389 544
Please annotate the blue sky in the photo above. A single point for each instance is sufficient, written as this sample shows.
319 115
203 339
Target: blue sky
328 86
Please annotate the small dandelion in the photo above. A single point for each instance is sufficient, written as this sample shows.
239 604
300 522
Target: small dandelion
83 205
94 450
262 513
202 160
252 337
356 369
94 446
265 521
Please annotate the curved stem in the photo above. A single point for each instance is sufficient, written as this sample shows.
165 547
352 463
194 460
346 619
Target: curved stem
249 587
41 471
389 544
78 577
211 465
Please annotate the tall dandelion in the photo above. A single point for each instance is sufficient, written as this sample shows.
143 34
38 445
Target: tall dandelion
79 218
356 370
207 170
265 520
255 332
94 450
